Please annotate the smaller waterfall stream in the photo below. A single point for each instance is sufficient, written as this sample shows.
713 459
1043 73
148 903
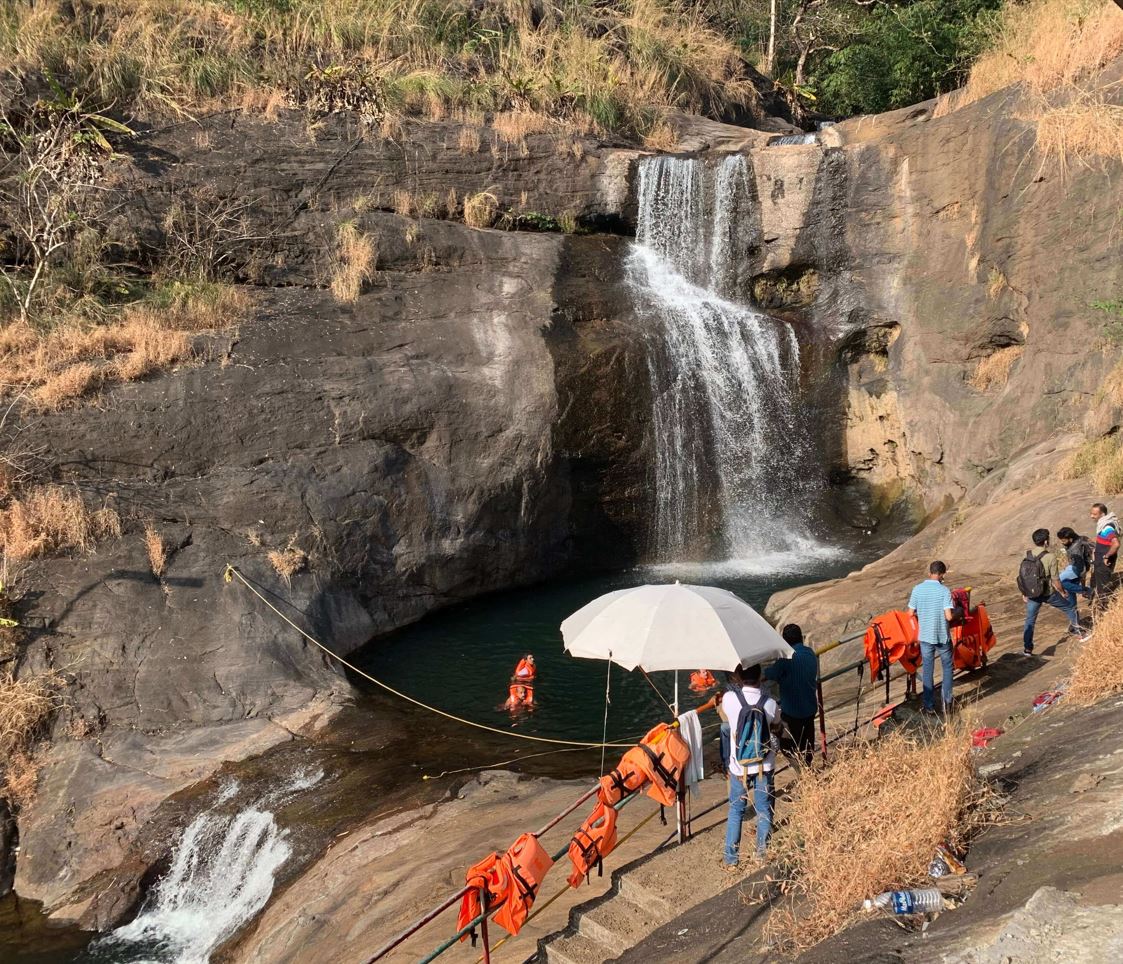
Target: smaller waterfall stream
732 456
221 875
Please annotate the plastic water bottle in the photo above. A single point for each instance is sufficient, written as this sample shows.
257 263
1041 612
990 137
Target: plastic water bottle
908 901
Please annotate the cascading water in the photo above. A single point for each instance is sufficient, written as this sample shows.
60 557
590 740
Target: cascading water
221 875
731 453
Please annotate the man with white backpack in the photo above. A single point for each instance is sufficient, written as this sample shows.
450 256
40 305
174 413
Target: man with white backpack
754 728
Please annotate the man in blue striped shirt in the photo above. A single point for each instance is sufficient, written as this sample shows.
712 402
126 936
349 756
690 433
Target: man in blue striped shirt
931 603
798 678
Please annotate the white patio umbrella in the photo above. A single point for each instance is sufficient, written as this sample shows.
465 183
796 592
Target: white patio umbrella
672 627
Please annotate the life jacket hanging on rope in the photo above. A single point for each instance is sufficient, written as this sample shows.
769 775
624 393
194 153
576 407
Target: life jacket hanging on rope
508 882
592 842
628 776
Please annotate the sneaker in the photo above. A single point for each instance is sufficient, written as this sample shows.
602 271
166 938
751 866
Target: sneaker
1027 651
1086 636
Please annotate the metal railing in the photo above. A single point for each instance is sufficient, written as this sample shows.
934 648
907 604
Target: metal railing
481 920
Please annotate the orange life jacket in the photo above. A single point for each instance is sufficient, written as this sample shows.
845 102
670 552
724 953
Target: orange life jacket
525 671
702 679
520 694
658 759
592 843
527 864
899 635
488 877
973 640
510 882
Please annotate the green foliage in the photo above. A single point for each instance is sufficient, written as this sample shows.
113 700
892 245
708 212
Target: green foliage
1113 327
902 53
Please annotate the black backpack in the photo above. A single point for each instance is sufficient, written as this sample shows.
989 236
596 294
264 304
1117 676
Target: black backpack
1085 552
1032 580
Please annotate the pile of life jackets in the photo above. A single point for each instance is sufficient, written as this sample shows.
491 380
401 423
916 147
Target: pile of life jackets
973 637
892 638
510 881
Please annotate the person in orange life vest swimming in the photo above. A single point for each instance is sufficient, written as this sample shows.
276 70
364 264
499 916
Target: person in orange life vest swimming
521 690
702 680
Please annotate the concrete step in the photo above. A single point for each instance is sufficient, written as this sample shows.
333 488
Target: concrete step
617 923
577 949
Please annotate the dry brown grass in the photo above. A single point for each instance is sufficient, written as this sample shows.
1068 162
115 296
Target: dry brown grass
1098 671
514 126
25 705
288 562
21 779
661 137
75 358
480 210
356 258
868 823
994 370
1099 459
1055 49
157 551
403 203
468 141
50 519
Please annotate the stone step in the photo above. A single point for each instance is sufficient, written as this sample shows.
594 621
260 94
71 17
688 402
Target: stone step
617 923
578 949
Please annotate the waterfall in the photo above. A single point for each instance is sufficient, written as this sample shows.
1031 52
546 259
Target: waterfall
731 451
221 875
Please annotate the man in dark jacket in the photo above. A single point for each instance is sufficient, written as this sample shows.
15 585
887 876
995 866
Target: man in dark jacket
798 678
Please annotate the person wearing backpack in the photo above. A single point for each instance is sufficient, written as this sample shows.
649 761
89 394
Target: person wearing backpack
1040 583
754 722
931 603
1081 554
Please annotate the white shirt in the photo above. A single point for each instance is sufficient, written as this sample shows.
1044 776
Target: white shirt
731 707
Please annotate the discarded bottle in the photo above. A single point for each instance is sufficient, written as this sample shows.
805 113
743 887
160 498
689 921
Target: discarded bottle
908 901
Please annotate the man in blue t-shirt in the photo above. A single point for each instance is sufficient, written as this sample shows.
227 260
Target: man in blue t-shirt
931 603
799 694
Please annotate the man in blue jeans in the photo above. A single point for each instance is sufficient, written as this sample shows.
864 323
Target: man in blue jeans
746 684
931 603
1054 593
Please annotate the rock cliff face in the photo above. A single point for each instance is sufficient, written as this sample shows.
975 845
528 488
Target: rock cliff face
478 417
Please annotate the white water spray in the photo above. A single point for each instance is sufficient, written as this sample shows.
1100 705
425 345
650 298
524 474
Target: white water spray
222 874
731 452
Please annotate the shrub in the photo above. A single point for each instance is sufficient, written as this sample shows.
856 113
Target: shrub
49 519
993 371
1098 671
1055 49
1102 460
157 551
288 562
356 257
480 210
870 822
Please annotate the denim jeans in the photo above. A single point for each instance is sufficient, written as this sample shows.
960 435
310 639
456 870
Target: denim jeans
761 787
724 746
1075 588
1033 607
928 653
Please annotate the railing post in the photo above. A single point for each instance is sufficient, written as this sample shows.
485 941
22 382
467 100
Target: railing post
483 928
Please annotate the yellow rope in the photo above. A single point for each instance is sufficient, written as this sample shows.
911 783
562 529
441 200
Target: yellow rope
538 910
231 572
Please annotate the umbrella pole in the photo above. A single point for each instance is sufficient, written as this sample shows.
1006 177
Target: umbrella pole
681 807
